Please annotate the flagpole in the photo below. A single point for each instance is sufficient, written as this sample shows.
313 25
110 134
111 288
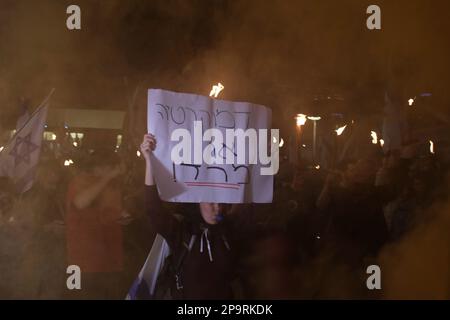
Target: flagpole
44 103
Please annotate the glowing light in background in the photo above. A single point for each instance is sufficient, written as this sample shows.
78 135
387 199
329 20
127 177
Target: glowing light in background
216 89
138 153
411 101
119 141
374 136
381 142
300 119
431 147
340 130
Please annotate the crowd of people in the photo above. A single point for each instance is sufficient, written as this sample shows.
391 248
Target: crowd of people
315 240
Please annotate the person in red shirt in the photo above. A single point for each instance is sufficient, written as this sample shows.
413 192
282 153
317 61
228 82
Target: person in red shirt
94 234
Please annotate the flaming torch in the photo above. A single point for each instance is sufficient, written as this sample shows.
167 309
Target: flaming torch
216 89
340 130
300 120
374 136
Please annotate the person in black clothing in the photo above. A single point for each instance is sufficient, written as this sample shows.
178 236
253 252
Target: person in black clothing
208 269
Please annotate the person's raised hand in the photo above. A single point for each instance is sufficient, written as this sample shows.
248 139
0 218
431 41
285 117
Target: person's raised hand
148 145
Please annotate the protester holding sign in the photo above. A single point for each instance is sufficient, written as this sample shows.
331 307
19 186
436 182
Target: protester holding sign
203 260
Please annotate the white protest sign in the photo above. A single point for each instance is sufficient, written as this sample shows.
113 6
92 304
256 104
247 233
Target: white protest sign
214 170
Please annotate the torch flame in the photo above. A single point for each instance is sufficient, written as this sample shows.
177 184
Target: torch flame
431 147
340 130
301 119
374 136
216 89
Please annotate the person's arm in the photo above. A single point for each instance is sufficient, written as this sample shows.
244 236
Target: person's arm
162 222
84 198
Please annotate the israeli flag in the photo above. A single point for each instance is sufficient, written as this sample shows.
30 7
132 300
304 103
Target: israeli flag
143 287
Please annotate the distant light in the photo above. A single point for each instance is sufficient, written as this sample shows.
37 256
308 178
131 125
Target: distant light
304 145
75 144
431 147
1 148
274 140
138 153
68 162
216 89
314 118
340 130
381 142
374 136
119 140
66 127
317 167
45 126
318 237
411 101
53 136
300 119
281 144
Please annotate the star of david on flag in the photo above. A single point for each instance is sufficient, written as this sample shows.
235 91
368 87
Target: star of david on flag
20 157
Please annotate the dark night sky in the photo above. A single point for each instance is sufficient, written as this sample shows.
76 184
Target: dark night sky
277 53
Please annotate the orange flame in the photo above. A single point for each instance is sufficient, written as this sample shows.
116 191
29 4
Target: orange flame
374 136
300 119
340 130
216 89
